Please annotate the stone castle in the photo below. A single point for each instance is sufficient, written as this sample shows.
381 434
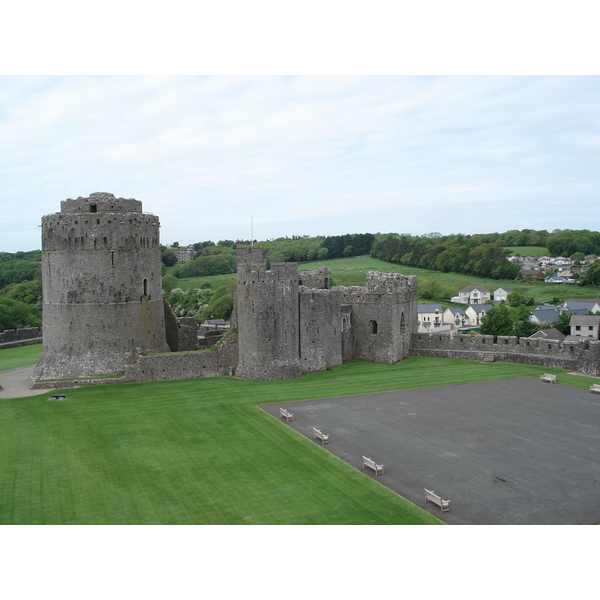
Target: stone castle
104 314
105 320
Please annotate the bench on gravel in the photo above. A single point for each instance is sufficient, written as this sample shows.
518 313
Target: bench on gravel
367 462
595 387
288 416
547 377
431 496
318 434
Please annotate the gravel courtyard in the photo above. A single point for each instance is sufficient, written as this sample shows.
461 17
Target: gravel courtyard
514 451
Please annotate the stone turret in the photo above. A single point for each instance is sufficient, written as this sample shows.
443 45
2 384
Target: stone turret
267 317
102 287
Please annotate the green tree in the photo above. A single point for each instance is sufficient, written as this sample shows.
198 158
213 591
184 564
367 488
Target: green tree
167 256
592 276
564 323
497 322
169 282
522 326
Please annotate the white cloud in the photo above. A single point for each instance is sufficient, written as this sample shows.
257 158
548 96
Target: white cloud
317 153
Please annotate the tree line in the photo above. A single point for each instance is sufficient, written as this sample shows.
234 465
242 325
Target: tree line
20 290
456 254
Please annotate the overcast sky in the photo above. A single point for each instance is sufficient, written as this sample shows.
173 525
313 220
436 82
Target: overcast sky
305 155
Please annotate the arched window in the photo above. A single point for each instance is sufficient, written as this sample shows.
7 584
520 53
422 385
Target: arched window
373 326
145 287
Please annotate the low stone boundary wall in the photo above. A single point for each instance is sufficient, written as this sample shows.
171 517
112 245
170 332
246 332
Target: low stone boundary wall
581 356
186 365
14 338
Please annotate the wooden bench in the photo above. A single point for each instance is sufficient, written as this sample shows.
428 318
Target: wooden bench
431 496
367 462
318 434
549 378
288 416
595 387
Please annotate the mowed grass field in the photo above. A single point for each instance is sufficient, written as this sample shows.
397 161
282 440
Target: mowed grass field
13 358
202 452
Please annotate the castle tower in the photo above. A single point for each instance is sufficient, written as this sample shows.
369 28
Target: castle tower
267 317
384 316
102 287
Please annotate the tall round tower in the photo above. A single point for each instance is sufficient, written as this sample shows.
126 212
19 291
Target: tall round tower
102 287
267 317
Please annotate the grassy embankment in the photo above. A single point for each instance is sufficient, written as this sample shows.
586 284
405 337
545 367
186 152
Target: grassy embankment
353 271
534 251
13 358
201 451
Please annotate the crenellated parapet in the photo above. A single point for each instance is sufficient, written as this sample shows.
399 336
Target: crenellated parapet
581 356
102 287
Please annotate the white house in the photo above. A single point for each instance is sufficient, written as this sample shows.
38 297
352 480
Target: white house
501 294
455 317
587 326
476 313
429 317
472 294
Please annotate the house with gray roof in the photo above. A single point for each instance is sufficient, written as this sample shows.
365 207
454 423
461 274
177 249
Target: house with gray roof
501 294
545 315
548 334
455 317
476 313
429 317
578 305
586 326
474 294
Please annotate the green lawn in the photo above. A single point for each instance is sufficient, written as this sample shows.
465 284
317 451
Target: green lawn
353 271
13 358
201 451
529 251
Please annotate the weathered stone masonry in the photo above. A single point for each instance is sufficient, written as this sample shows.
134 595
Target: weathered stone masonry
583 356
102 287
104 313
13 338
290 323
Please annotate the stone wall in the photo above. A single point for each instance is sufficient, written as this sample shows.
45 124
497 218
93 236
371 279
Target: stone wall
580 356
13 338
320 329
187 365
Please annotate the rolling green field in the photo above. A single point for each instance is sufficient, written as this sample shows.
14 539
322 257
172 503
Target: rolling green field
353 271
13 358
529 251
201 451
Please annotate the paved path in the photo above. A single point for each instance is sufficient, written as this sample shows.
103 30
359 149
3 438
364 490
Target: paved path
16 383
514 451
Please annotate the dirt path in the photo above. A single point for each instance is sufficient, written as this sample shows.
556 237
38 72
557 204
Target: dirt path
16 383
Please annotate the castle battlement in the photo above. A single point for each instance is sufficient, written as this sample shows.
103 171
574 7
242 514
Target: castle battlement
100 202
102 287
581 356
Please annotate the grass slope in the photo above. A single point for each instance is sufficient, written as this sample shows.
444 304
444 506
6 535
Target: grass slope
201 451
353 271
13 358
534 251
